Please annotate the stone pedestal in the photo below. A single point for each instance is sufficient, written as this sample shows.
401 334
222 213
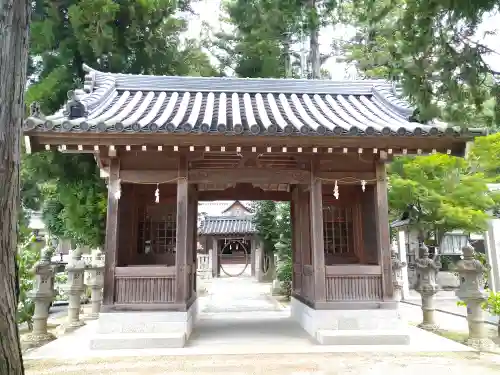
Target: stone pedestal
378 324
492 242
96 283
397 274
473 294
42 294
74 289
427 286
258 263
144 329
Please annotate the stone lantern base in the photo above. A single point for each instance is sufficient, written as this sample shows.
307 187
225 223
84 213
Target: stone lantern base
70 326
431 327
34 339
482 345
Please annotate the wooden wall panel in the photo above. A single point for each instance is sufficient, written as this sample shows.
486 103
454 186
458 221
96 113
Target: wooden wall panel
354 288
145 290
369 225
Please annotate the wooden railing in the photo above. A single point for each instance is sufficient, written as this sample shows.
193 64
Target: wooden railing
353 283
144 285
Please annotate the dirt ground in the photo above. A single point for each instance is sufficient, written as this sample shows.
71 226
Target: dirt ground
278 364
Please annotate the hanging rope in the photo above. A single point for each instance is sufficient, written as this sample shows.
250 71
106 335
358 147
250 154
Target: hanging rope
247 259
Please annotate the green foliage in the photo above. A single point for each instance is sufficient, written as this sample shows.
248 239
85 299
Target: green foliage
430 47
284 248
74 204
484 156
28 254
128 36
493 303
445 193
265 223
60 279
273 224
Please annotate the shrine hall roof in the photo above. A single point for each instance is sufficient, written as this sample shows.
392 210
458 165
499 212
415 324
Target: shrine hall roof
112 102
226 225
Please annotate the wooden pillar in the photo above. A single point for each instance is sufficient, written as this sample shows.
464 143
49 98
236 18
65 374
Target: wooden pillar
305 255
111 246
253 246
193 200
215 256
182 240
296 256
383 236
317 243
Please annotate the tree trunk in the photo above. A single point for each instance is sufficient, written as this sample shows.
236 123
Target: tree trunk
314 40
14 23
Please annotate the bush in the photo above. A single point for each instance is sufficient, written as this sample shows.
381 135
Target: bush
27 255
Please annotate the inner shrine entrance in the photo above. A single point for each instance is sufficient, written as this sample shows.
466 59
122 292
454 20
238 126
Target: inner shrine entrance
165 143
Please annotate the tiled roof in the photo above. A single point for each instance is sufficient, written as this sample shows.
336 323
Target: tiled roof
226 225
139 103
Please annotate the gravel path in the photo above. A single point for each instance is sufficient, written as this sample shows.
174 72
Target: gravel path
282 364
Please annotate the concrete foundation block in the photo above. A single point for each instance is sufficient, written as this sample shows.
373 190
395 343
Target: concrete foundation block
138 341
351 327
134 330
361 337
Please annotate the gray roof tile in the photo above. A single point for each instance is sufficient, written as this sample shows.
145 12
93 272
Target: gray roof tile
136 103
227 225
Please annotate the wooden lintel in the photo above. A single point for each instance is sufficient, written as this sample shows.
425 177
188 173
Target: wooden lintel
250 175
148 176
250 194
327 176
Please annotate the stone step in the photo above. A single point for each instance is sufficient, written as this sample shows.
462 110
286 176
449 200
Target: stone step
362 337
138 341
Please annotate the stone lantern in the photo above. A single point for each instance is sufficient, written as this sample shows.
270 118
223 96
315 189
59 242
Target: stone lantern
74 289
471 291
397 274
43 294
427 286
96 283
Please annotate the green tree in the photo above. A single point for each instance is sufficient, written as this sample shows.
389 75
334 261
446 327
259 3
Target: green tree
128 36
443 192
484 156
284 248
430 48
265 222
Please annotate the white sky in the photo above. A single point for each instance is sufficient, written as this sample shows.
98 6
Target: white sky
209 12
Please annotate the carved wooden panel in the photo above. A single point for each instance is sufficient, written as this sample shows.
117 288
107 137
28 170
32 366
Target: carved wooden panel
354 288
130 290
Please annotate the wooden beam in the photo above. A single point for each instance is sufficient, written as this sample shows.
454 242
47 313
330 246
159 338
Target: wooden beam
317 243
148 176
181 250
111 233
383 236
249 175
327 176
246 191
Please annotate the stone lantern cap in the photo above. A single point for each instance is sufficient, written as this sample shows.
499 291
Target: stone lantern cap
469 263
471 273
396 262
75 262
425 261
45 262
